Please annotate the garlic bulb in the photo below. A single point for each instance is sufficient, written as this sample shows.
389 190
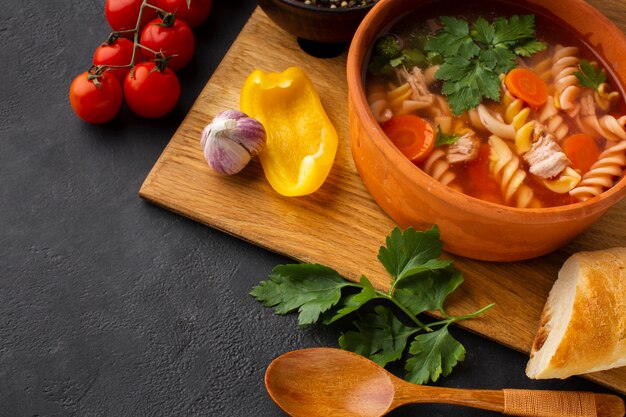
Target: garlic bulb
231 140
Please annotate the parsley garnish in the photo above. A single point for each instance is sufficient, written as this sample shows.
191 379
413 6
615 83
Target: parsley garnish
474 58
445 139
420 282
590 75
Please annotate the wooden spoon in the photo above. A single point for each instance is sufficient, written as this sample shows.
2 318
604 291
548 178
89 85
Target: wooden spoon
322 382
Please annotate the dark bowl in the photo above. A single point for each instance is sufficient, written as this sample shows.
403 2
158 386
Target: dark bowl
315 24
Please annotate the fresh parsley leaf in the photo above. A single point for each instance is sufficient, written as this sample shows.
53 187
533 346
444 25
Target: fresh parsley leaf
498 61
413 58
420 282
310 288
409 58
590 75
428 290
509 32
411 252
445 139
396 62
453 39
529 48
462 90
435 354
467 82
488 83
474 59
483 32
380 336
455 69
356 301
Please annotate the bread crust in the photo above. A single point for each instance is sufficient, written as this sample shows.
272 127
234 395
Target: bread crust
595 335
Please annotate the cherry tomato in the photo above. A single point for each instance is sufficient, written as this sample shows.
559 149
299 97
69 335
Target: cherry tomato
194 15
176 39
123 14
96 104
120 52
149 92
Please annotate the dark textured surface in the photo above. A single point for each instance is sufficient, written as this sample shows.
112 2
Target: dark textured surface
110 306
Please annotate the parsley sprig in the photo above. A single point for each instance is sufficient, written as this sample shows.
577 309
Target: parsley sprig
421 282
590 75
474 58
444 138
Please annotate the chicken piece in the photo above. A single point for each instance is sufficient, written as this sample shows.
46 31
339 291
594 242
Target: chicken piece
545 157
417 81
465 149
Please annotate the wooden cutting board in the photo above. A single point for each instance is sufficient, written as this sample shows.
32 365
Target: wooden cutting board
340 225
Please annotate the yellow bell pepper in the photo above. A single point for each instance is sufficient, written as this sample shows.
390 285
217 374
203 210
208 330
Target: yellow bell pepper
301 140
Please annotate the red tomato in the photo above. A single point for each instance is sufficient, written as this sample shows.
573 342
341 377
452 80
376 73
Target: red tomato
96 104
194 15
119 52
149 92
123 14
175 40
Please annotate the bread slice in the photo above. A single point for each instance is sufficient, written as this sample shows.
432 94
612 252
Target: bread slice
583 325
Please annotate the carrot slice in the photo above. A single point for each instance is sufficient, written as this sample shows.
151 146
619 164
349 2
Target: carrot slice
412 135
527 86
582 149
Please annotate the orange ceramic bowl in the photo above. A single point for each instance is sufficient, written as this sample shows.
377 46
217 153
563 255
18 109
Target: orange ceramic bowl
471 227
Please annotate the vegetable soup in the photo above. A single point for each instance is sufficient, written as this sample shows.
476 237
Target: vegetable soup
499 103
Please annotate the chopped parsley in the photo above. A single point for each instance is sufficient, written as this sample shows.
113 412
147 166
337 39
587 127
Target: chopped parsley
445 139
590 75
420 281
474 58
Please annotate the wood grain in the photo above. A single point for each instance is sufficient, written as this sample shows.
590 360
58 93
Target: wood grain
340 225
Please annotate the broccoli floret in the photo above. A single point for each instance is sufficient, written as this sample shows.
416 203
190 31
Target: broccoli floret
389 54
387 47
434 58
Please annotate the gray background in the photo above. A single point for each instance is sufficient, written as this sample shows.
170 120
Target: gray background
110 306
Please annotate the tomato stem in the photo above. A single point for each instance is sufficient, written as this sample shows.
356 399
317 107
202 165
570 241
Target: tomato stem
158 9
113 36
93 74
147 49
138 45
136 34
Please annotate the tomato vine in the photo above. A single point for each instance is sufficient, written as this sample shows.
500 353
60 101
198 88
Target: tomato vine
169 45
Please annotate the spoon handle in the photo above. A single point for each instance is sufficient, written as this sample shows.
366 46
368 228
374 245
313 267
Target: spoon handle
525 403
548 403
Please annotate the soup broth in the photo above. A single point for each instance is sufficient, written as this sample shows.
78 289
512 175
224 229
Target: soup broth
548 129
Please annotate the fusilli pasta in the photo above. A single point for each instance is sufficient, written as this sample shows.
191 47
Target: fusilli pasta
438 167
505 167
377 99
565 182
609 127
495 124
605 98
566 89
602 174
551 118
